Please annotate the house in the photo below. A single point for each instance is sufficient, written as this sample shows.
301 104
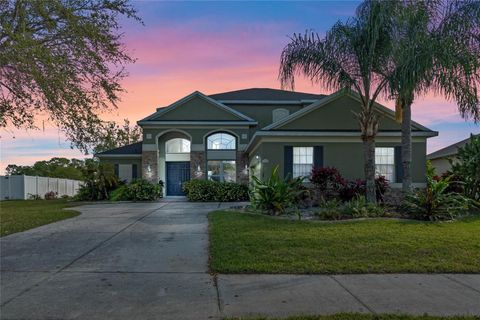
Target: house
232 135
441 159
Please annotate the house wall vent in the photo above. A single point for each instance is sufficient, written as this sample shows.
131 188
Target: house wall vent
279 114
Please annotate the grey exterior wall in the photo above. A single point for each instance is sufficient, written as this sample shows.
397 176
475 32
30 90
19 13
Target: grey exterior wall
347 157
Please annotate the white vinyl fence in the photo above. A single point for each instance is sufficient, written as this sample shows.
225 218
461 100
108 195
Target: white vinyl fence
26 187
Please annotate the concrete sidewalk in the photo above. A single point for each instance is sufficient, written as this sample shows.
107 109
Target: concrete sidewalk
150 261
284 295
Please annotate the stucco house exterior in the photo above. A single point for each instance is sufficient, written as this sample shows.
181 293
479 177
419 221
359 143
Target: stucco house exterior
232 135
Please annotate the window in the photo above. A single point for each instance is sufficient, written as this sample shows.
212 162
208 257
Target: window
177 145
385 163
302 161
221 141
220 170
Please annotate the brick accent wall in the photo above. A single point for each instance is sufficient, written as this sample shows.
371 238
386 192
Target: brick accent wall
242 161
197 158
150 166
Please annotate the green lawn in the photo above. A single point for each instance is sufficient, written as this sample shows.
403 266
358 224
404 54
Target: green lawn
21 215
358 316
244 243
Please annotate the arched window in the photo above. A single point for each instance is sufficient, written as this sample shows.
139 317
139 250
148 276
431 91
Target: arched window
177 145
221 141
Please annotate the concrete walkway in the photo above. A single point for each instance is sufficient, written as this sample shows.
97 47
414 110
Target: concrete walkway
149 261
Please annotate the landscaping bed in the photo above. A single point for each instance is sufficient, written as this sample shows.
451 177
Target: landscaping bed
21 215
250 243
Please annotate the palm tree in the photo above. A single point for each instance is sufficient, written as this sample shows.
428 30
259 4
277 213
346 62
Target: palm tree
351 56
436 47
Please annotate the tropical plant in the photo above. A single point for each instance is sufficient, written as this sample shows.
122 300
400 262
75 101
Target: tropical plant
63 60
467 167
275 195
99 181
434 202
327 180
330 210
359 208
436 48
352 56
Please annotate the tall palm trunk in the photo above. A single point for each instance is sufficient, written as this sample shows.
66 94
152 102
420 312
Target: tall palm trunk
406 110
369 168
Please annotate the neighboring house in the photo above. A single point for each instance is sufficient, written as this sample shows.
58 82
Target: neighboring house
229 136
442 158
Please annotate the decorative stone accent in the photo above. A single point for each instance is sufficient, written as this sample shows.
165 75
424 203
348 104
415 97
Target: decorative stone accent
197 161
242 167
150 166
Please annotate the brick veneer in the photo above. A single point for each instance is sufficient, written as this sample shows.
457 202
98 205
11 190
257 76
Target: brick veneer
197 158
242 161
149 158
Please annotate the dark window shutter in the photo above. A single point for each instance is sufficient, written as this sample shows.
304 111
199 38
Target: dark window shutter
287 161
134 172
318 156
398 164
116 169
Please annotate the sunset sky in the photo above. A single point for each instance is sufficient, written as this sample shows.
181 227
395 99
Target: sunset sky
214 47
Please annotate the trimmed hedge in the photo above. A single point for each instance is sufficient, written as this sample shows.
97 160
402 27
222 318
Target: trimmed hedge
208 190
137 190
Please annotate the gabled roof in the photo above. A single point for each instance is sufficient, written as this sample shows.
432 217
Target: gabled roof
173 106
130 149
340 93
265 94
450 150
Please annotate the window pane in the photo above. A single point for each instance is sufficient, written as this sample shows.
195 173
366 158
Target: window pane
229 171
213 169
302 161
177 145
221 141
385 163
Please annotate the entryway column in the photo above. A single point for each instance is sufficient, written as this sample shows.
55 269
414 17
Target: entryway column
149 166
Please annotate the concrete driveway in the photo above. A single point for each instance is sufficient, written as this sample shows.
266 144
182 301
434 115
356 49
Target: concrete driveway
149 261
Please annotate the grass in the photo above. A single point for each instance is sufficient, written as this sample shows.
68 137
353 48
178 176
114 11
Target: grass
359 316
21 215
247 243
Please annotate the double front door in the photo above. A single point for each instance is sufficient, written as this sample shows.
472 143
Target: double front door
177 174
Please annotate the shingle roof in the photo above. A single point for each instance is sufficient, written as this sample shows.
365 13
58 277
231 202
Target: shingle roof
266 94
449 150
134 148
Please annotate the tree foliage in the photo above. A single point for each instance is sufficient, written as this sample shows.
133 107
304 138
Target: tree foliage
467 166
53 168
353 55
112 135
437 48
61 60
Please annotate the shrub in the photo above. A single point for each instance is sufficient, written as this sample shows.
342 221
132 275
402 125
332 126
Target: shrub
142 190
359 208
352 189
330 210
434 202
51 195
275 195
118 194
209 190
468 167
327 180
100 179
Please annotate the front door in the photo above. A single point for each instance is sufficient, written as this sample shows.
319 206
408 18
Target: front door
177 174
